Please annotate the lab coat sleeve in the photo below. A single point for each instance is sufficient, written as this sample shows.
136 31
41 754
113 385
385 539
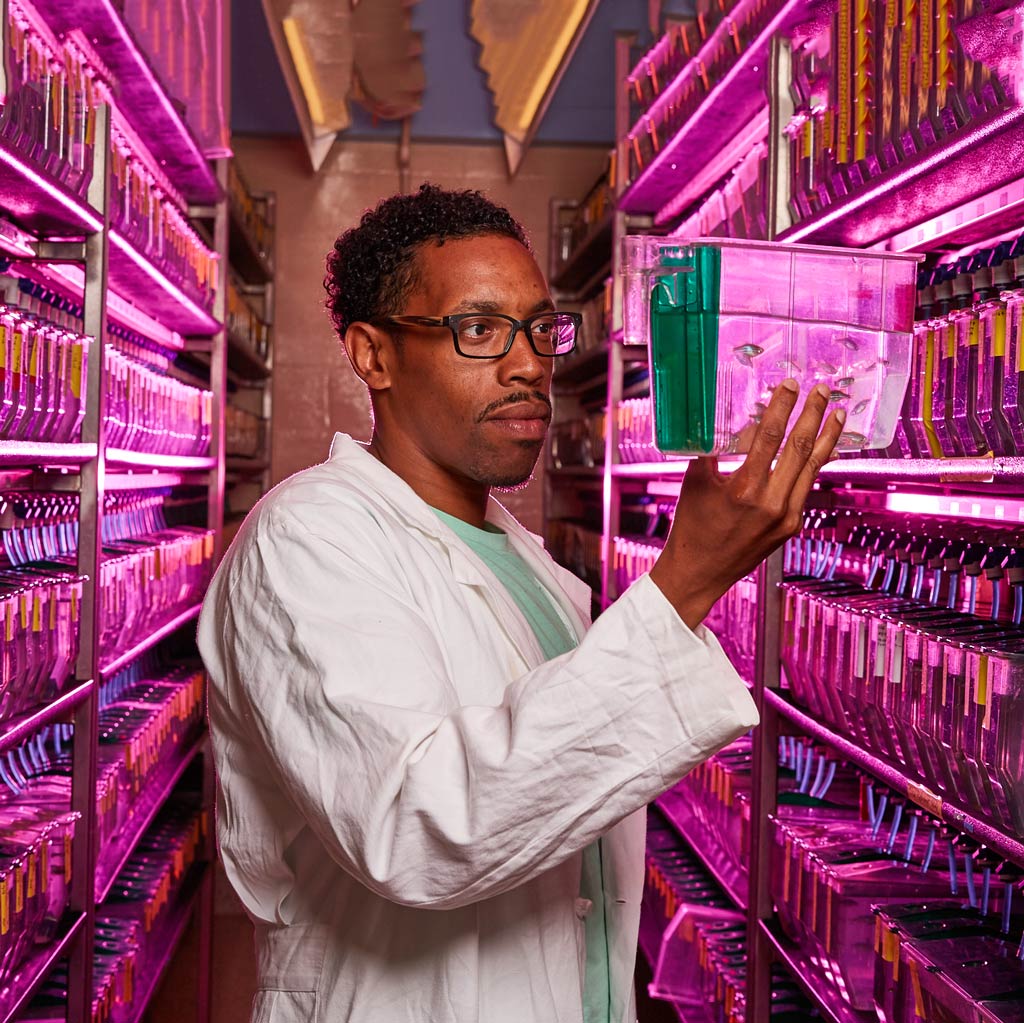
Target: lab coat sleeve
344 685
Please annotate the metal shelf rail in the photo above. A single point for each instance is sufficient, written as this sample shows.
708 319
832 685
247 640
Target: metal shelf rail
1008 846
143 810
735 883
33 972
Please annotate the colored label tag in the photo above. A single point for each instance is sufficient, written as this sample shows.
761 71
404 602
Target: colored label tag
76 369
5 907
30 891
925 798
16 360
915 983
999 333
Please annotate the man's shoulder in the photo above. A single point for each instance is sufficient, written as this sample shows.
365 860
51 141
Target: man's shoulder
319 502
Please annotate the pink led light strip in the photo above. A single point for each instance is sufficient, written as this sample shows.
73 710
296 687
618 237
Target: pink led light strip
933 159
157 277
72 280
87 219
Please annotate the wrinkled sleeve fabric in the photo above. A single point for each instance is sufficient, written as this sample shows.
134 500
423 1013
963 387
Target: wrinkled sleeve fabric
346 687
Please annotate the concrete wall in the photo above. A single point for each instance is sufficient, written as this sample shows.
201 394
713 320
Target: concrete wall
315 391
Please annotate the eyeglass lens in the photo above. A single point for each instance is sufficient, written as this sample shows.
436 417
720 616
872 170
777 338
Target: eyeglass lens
553 334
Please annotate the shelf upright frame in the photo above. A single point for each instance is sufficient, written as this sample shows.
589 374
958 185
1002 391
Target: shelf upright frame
269 299
780 113
219 368
86 718
763 793
611 501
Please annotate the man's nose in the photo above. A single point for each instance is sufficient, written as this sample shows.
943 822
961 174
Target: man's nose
522 362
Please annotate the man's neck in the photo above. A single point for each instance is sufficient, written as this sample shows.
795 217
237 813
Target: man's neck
464 499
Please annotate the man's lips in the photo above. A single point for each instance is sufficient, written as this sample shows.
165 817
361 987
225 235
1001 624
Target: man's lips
522 411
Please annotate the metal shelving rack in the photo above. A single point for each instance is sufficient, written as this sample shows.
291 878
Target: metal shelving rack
249 372
982 197
56 238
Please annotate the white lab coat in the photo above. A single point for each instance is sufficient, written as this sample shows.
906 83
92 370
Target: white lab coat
405 785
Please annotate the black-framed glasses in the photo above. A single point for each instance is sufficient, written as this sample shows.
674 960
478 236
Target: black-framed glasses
490 335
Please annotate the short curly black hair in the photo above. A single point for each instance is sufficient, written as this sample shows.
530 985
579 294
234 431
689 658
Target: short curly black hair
371 268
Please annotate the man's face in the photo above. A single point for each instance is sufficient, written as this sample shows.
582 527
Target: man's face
481 419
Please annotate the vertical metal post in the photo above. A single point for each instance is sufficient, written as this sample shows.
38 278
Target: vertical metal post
269 298
763 793
86 719
611 503
205 904
219 367
624 42
780 113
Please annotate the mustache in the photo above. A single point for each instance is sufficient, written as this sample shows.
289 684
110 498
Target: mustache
514 399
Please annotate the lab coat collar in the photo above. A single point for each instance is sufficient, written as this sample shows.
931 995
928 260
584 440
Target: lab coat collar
467 568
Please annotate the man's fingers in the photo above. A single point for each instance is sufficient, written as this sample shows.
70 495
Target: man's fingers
824 448
802 438
770 431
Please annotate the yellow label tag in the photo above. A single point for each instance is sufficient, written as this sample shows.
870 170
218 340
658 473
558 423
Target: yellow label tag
16 357
828 918
9 621
33 358
973 332
74 603
999 333
915 983
37 613
981 688
3 350
31 882
53 610
23 610
786 856
19 889
5 908
67 858
76 369
44 867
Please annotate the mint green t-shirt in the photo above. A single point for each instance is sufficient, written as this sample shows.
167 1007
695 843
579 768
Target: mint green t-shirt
493 547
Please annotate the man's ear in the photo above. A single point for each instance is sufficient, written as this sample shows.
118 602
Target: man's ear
372 354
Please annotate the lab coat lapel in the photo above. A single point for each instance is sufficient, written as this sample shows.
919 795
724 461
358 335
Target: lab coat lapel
467 569
470 571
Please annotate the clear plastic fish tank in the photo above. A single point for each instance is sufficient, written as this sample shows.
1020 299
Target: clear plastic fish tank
726 321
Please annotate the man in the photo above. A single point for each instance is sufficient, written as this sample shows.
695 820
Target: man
432 770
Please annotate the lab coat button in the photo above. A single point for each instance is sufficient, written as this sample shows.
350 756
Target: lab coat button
583 907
